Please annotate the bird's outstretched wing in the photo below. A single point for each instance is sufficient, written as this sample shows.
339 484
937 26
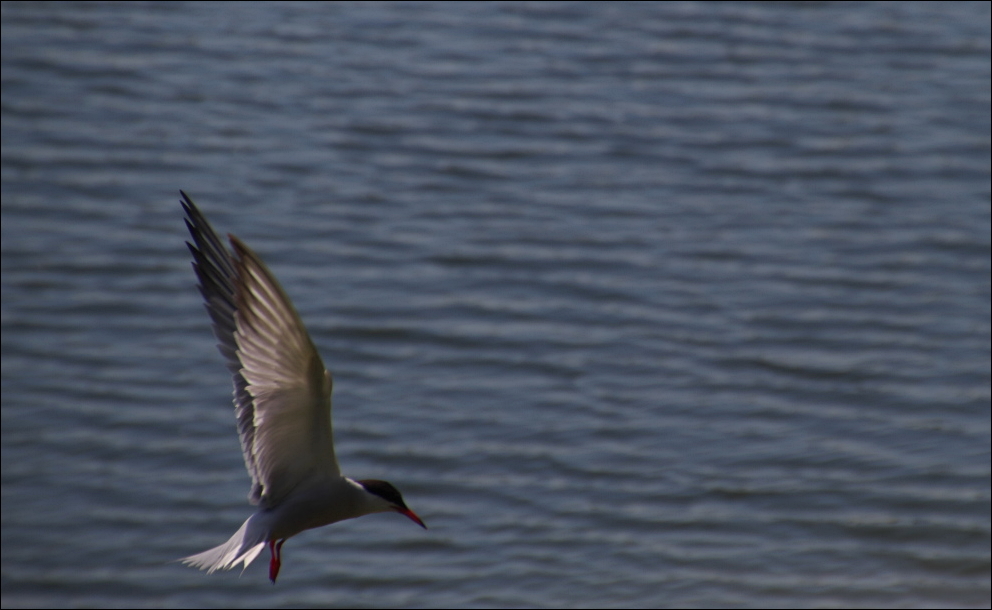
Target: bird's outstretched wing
282 393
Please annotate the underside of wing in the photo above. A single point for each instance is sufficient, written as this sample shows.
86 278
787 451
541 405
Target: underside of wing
285 378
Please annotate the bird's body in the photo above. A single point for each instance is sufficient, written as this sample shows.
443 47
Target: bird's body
282 399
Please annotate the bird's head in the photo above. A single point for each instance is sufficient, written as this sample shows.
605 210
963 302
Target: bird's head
388 498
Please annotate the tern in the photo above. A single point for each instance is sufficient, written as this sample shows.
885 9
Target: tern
282 402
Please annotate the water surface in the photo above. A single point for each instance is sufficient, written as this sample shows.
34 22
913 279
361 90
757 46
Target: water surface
638 304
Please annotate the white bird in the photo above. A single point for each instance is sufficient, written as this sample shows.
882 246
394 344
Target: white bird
282 401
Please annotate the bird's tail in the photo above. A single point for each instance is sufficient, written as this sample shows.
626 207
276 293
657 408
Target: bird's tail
243 547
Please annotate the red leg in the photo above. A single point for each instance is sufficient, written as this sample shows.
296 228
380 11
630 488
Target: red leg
275 550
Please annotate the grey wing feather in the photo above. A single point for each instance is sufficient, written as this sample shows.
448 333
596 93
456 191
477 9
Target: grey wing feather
215 271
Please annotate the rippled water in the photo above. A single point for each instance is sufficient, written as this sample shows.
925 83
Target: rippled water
639 304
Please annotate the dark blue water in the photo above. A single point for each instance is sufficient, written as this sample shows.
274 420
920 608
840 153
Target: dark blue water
638 304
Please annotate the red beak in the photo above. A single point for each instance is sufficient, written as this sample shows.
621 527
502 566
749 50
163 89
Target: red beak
412 516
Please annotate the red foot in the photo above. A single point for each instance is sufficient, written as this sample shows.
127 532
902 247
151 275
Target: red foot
275 550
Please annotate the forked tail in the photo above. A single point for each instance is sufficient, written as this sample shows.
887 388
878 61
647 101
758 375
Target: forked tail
243 547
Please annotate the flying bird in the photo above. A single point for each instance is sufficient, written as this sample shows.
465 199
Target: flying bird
282 402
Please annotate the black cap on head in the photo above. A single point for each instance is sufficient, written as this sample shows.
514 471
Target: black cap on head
384 490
